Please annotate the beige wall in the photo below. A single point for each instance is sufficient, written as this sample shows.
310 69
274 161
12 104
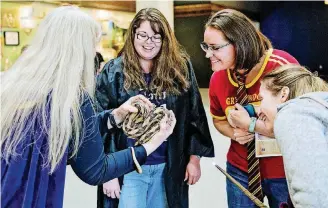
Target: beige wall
166 7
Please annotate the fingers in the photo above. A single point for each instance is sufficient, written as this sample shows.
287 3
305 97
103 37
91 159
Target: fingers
168 122
144 99
240 132
112 189
238 106
193 179
117 193
197 179
164 123
234 115
232 112
261 116
141 98
230 120
173 120
130 108
107 192
186 176
245 139
112 193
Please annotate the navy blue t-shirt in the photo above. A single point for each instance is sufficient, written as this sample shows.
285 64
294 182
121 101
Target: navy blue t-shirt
160 154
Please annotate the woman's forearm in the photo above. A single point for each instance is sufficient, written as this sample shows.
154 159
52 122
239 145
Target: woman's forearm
262 129
224 128
90 163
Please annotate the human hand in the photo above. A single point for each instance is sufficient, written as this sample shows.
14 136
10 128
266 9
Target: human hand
242 136
193 171
167 125
240 117
268 123
112 189
121 112
229 119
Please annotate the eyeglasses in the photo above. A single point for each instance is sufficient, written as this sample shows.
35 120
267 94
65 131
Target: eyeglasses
157 38
213 48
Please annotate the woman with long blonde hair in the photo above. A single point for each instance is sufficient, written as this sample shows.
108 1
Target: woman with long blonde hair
152 63
295 107
47 116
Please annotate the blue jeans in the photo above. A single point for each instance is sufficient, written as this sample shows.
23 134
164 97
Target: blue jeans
275 190
146 190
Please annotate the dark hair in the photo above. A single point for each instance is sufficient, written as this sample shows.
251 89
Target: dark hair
250 44
98 59
170 65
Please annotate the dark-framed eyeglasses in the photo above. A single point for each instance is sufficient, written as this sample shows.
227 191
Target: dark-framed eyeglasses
157 38
205 47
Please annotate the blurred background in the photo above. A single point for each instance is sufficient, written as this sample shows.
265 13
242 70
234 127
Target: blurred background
300 28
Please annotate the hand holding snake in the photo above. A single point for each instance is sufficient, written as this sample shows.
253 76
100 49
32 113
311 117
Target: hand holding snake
143 124
121 112
150 127
141 120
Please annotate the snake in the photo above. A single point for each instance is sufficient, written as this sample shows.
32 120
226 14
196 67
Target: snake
145 123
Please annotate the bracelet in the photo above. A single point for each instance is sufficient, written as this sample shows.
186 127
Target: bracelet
112 121
139 169
251 127
199 157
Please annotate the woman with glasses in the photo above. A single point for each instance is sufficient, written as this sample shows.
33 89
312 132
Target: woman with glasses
153 63
48 120
240 56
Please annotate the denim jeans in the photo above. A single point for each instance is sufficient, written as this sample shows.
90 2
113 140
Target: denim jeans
146 190
275 190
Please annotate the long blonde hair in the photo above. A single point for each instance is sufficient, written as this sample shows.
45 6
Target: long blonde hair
297 78
56 70
170 66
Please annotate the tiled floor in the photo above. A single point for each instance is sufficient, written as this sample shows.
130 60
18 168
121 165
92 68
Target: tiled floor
207 193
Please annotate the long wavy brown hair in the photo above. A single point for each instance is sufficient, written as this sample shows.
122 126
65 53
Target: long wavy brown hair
170 69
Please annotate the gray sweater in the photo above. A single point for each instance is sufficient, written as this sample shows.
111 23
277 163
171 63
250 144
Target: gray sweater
301 129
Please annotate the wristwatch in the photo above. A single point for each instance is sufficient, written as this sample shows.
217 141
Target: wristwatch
251 127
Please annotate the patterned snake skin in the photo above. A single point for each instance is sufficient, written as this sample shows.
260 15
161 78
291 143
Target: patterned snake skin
144 124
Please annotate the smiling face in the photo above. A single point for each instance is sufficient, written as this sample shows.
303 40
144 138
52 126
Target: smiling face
270 102
222 58
147 49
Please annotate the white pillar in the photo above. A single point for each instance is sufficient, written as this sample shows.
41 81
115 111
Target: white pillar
165 6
